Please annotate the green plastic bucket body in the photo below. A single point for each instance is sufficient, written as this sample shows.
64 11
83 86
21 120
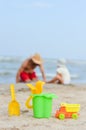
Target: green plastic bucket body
42 105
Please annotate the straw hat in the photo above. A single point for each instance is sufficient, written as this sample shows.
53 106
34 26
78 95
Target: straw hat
36 58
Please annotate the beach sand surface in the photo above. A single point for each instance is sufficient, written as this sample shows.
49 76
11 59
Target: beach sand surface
75 94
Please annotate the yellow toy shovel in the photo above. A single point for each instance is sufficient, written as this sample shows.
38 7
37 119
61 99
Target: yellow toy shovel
37 89
13 107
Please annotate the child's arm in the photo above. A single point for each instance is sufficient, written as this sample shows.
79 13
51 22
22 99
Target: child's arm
56 79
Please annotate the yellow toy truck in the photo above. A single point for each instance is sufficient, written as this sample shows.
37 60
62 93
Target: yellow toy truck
68 111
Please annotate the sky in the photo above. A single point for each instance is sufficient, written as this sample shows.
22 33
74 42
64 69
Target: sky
53 28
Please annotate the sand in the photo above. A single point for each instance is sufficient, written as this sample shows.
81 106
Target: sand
75 94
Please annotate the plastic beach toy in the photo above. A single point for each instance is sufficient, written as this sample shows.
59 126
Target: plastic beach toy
68 111
42 105
13 107
37 89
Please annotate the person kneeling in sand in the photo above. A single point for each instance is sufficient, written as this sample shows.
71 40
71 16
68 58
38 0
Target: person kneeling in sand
26 72
62 74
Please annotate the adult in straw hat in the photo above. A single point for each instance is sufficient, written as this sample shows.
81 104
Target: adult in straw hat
62 73
26 72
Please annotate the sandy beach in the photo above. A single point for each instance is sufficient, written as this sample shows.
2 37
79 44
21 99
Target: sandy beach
75 94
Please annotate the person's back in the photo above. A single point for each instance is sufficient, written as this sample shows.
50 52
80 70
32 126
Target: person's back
65 74
62 74
63 70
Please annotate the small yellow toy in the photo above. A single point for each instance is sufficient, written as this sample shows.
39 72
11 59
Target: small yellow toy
37 89
68 111
13 107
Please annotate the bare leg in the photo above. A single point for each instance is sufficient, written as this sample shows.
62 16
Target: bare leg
56 79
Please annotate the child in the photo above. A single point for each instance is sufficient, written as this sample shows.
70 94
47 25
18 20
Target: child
26 72
62 74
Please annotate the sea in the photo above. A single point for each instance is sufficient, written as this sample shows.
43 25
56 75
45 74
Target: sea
9 66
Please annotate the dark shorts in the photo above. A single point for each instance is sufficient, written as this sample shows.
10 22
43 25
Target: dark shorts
27 76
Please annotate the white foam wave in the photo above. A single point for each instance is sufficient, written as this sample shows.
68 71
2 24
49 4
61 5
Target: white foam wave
5 73
47 75
9 59
74 76
77 62
51 75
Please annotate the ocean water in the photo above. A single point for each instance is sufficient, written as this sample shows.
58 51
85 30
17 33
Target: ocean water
10 65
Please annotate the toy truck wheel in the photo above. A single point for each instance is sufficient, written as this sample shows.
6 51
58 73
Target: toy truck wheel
61 116
75 116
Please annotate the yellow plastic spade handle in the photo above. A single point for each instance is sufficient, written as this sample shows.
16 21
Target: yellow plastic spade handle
12 92
28 102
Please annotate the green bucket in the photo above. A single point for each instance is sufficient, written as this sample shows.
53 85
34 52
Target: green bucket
42 105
